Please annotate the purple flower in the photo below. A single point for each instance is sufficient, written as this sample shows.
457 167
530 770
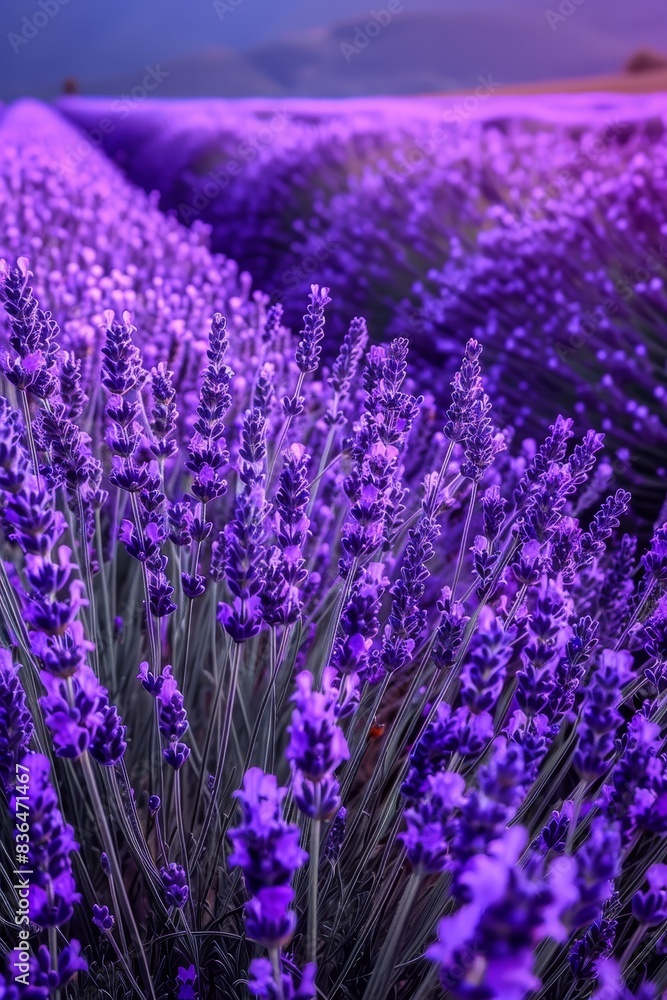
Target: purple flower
484 673
180 523
596 944
489 943
33 334
611 985
165 414
597 866
252 451
316 799
14 463
632 795
431 824
345 366
176 755
62 654
175 885
102 918
72 399
52 892
592 542
601 718
76 721
317 745
482 442
262 983
650 907
336 836
187 983
449 634
121 367
41 977
407 619
553 836
466 390
244 550
285 573
489 808
359 622
269 921
272 323
208 448
16 726
108 745
309 350
264 846
447 733
172 714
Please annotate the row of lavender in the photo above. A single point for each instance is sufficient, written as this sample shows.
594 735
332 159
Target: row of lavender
335 695
542 229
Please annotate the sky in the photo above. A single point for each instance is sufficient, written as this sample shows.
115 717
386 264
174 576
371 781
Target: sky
44 41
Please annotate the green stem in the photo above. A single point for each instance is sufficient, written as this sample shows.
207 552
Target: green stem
31 437
209 737
222 753
283 434
178 805
637 612
108 620
574 819
53 951
322 466
441 475
110 848
313 867
632 944
275 962
464 539
123 961
88 582
388 958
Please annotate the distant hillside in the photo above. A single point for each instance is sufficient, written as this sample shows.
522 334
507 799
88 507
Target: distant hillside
647 82
293 47
216 71
415 53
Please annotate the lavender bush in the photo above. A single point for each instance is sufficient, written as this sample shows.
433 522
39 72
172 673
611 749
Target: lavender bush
326 708
97 242
306 689
539 228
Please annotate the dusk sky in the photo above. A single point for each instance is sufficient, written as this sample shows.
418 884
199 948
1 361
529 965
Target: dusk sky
98 42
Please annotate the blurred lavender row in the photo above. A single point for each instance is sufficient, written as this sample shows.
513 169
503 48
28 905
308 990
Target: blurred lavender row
534 223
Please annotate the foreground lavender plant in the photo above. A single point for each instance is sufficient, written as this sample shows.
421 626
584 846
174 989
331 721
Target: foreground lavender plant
340 697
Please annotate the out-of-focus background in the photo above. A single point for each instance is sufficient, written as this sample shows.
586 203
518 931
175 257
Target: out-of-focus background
449 168
329 48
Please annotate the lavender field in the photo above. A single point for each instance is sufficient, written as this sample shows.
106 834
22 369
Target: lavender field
333 590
